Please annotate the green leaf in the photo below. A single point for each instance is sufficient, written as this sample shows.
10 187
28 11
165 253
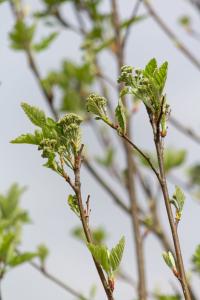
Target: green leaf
121 116
22 35
36 116
42 252
28 138
116 254
101 255
150 68
108 159
73 204
45 42
178 201
21 259
132 21
196 260
169 260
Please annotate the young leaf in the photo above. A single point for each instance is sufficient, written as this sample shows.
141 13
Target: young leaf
21 258
169 259
116 254
121 116
36 116
27 138
101 255
45 42
22 35
178 201
42 252
72 201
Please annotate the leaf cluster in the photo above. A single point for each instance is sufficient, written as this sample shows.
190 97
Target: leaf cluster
58 141
147 85
22 37
73 81
12 220
108 259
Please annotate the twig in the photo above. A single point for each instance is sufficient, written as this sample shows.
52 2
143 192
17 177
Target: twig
133 16
84 220
57 281
185 130
171 35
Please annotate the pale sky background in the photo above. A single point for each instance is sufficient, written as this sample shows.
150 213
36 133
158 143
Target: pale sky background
47 193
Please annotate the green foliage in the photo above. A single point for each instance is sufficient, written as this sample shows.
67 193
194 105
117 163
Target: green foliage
98 106
194 175
12 219
22 35
35 115
58 141
121 116
45 42
42 252
73 204
99 235
185 21
108 259
173 158
178 201
196 260
107 160
169 260
146 85
73 81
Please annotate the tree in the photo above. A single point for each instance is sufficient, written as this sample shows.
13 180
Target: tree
59 138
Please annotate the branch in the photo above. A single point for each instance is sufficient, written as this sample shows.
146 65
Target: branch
163 183
85 221
131 187
57 281
186 52
133 16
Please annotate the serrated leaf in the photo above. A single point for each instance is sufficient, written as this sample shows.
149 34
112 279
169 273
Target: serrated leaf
45 42
36 116
27 138
121 116
101 255
116 254
150 68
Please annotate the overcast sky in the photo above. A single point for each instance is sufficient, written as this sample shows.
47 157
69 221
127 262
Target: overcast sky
47 193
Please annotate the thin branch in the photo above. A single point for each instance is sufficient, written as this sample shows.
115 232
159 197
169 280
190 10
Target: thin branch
133 16
185 130
57 281
171 35
163 183
84 221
